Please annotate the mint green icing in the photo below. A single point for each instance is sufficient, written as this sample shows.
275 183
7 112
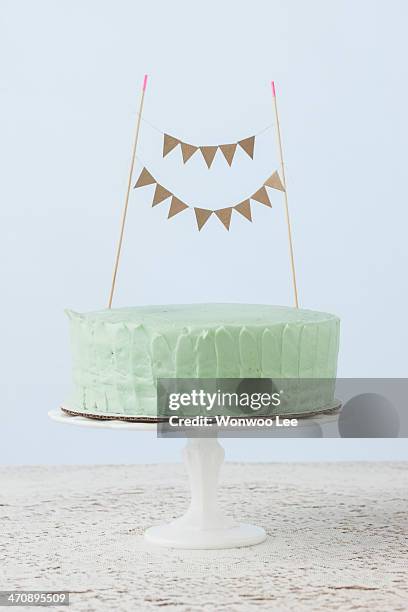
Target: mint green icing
118 354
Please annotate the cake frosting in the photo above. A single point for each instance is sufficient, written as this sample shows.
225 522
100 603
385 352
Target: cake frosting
118 354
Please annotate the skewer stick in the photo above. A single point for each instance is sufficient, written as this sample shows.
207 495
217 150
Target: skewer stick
292 259
125 208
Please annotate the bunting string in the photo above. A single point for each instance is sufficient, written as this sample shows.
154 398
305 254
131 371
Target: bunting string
161 194
160 131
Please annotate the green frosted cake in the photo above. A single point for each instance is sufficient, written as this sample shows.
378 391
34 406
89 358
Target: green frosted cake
119 354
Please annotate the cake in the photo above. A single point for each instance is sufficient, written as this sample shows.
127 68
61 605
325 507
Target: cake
118 354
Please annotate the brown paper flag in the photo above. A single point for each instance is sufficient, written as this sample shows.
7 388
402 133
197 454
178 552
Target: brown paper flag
262 196
202 216
169 143
228 150
224 215
176 207
160 194
209 154
145 178
275 182
248 145
244 208
187 151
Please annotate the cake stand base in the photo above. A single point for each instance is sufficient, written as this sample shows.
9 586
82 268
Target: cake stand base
204 525
175 535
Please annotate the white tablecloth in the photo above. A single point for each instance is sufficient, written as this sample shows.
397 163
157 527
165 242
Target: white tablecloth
337 537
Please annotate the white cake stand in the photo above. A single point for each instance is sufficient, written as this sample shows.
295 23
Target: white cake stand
203 526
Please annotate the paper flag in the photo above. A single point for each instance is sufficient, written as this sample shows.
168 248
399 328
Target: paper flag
176 207
145 178
224 215
262 196
248 145
228 150
275 182
202 216
208 154
244 208
187 151
169 143
160 194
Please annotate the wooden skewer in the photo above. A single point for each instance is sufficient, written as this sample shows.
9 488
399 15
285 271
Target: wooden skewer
292 259
125 208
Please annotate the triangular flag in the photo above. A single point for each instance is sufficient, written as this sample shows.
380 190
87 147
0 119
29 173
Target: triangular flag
176 207
169 143
160 194
202 216
244 208
228 151
224 215
208 154
145 178
248 145
262 196
275 182
187 151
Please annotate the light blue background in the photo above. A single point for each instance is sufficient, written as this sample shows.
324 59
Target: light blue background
70 79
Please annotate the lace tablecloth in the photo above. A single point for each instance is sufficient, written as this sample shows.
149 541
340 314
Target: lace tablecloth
337 537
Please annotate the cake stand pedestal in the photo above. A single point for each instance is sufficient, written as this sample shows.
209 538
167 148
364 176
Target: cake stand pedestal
203 526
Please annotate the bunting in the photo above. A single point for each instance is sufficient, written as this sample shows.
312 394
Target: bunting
202 216
262 196
244 208
145 178
275 182
176 207
208 152
228 151
169 143
160 194
248 145
224 215
187 151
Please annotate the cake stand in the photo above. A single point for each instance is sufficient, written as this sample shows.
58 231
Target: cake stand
203 526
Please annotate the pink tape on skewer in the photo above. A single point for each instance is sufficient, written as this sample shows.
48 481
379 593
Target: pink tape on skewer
144 82
273 89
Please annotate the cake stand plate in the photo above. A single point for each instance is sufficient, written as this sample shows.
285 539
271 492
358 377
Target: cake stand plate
203 526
